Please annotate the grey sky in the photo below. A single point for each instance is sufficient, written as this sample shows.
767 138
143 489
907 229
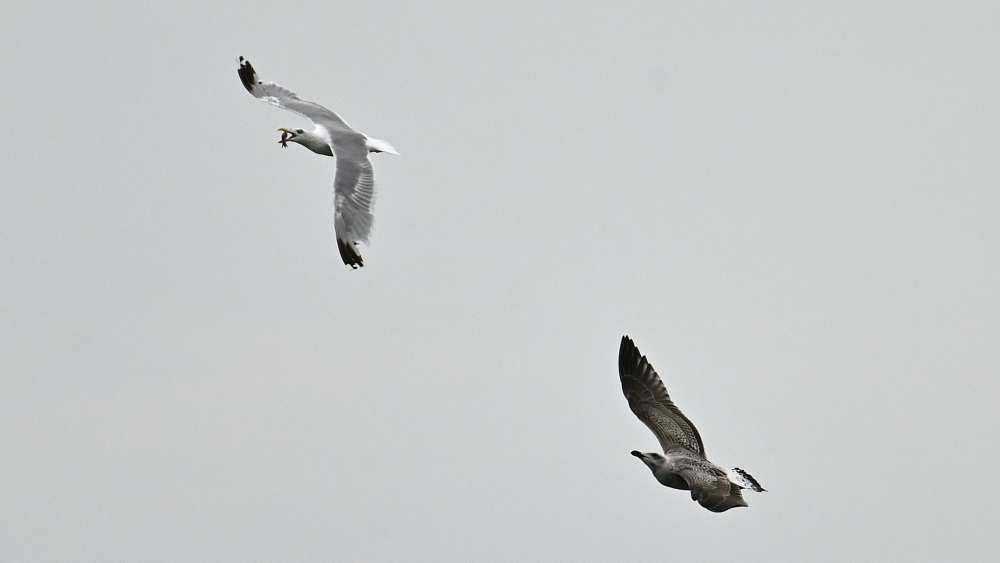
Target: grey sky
792 210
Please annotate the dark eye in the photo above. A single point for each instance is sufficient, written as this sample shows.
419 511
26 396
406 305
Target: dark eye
299 131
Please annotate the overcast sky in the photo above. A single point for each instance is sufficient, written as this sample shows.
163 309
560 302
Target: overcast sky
792 209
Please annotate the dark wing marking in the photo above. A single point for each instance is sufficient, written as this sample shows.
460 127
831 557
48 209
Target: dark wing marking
349 253
648 399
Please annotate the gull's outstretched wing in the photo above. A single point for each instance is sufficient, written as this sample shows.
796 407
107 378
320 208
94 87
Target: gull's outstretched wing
278 96
648 399
353 199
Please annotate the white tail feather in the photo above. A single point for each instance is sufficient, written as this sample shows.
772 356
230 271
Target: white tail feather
376 145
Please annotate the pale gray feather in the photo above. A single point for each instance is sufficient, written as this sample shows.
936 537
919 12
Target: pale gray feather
354 195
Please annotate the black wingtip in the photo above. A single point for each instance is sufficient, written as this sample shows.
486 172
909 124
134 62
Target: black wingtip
628 355
349 253
247 75
626 344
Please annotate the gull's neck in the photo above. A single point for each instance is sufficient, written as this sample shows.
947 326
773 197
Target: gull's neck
313 142
659 465
664 472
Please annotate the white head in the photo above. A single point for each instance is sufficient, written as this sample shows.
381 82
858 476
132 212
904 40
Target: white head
307 139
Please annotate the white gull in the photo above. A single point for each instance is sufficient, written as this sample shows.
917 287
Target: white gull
353 182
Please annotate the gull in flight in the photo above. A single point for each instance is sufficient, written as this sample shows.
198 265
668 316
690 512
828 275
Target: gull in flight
353 183
683 464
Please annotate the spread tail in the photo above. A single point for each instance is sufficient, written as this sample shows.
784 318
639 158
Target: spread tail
745 481
376 145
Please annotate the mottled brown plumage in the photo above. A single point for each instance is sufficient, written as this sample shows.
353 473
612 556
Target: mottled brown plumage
683 464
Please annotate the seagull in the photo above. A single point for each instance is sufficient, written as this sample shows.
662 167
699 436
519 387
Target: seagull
353 183
683 464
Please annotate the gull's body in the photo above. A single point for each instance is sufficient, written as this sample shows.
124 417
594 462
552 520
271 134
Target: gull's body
683 464
354 183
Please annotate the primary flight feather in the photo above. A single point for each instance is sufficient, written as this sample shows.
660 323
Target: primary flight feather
353 182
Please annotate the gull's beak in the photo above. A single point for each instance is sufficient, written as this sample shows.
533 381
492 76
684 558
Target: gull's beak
638 454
